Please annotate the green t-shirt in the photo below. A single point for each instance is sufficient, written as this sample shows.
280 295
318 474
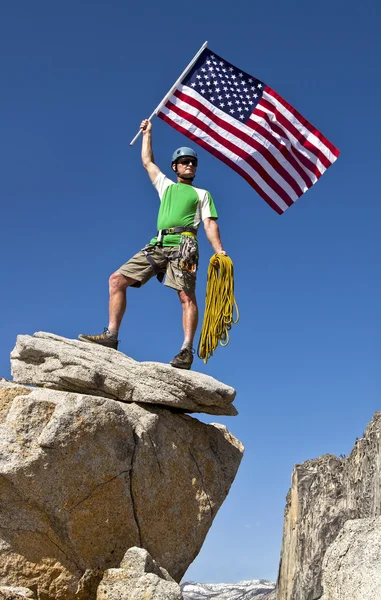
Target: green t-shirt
181 205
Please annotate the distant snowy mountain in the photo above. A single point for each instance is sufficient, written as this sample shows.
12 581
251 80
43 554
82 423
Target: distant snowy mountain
259 589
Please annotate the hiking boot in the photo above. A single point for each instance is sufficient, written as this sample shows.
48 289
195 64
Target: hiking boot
183 360
103 339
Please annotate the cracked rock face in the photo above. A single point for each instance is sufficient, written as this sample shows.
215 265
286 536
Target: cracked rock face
138 577
84 478
55 362
351 567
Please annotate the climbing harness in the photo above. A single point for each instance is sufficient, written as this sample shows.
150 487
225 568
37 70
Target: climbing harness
187 254
162 232
220 303
158 272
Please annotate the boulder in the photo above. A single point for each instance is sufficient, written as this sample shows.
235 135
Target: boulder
138 578
55 362
84 478
351 566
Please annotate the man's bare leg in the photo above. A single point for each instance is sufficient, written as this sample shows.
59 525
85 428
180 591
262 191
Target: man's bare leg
117 307
184 359
118 285
190 315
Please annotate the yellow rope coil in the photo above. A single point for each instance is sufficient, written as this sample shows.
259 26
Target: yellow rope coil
219 306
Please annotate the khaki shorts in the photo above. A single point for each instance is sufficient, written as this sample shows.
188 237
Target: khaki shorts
140 269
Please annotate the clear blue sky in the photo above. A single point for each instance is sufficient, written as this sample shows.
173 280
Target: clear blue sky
76 80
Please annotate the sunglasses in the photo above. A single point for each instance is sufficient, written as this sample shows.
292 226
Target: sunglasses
187 161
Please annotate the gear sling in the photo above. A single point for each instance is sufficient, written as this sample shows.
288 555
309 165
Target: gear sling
188 252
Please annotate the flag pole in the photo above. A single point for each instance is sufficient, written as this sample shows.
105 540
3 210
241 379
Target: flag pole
164 100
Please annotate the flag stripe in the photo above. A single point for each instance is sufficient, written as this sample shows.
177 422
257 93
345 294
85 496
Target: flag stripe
189 99
308 140
235 149
322 139
268 131
299 141
187 129
300 157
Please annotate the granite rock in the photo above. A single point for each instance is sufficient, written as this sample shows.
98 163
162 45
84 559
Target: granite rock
351 566
84 478
55 362
138 578
326 493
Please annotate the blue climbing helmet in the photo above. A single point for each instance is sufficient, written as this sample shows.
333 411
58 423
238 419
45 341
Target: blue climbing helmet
183 151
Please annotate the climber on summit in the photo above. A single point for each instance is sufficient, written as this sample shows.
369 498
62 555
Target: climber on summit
173 252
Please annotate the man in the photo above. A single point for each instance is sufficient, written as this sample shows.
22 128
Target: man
172 252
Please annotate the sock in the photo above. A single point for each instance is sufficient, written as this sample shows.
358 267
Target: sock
187 345
112 333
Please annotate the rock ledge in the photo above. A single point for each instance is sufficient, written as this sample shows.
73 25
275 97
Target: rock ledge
50 361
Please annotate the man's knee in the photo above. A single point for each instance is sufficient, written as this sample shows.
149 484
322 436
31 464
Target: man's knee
119 282
187 298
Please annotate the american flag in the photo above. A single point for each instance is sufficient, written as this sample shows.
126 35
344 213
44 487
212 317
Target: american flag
244 123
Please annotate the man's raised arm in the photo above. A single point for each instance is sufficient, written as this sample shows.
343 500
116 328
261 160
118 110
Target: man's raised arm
147 154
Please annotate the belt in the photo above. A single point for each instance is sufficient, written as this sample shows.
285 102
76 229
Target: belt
172 230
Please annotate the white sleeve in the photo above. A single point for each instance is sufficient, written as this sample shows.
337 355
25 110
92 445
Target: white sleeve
207 206
161 183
